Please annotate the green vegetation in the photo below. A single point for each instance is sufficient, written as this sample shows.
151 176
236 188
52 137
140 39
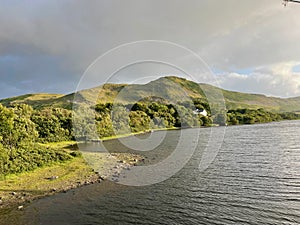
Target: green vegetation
147 115
20 132
108 93
25 159
27 186
53 124
251 116
26 128
37 136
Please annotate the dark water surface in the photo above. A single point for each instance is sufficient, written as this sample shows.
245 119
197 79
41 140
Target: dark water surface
255 179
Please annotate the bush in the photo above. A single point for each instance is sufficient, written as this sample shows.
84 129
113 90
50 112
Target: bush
24 159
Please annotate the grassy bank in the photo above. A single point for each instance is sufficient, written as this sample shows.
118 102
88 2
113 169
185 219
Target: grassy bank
15 189
19 189
137 133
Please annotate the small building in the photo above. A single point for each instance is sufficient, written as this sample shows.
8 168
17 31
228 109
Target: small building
202 112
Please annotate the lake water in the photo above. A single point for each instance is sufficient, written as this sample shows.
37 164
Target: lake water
254 179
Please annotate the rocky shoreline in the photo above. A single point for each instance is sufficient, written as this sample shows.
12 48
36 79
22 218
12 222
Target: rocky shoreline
18 199
111 167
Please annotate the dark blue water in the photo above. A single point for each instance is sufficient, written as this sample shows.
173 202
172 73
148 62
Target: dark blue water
255 179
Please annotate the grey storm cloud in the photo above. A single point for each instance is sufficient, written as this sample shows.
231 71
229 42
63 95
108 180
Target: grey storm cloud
45 46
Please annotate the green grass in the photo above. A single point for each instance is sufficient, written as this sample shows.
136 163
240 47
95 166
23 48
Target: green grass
135 133
15 189
34 184
62 144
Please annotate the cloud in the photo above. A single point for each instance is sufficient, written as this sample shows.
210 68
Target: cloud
53 42
268 36
275 80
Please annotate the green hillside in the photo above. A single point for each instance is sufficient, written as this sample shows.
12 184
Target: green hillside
167 88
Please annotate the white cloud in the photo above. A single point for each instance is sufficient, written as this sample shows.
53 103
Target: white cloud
229 35
274 80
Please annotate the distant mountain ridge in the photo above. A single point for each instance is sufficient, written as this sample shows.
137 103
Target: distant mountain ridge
169 87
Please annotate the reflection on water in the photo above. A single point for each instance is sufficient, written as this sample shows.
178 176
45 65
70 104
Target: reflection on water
255 179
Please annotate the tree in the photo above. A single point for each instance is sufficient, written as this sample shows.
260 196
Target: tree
24 128
84 123
104 124
120 120
7 117
220 119
206 121
186 117
139 121
54 124
16 130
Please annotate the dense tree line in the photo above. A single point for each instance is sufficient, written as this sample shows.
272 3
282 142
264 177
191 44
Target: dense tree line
22 128
251 116
144 115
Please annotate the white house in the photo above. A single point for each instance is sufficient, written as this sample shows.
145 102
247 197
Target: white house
203 112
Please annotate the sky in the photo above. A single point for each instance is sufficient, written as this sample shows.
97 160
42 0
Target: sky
250 45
